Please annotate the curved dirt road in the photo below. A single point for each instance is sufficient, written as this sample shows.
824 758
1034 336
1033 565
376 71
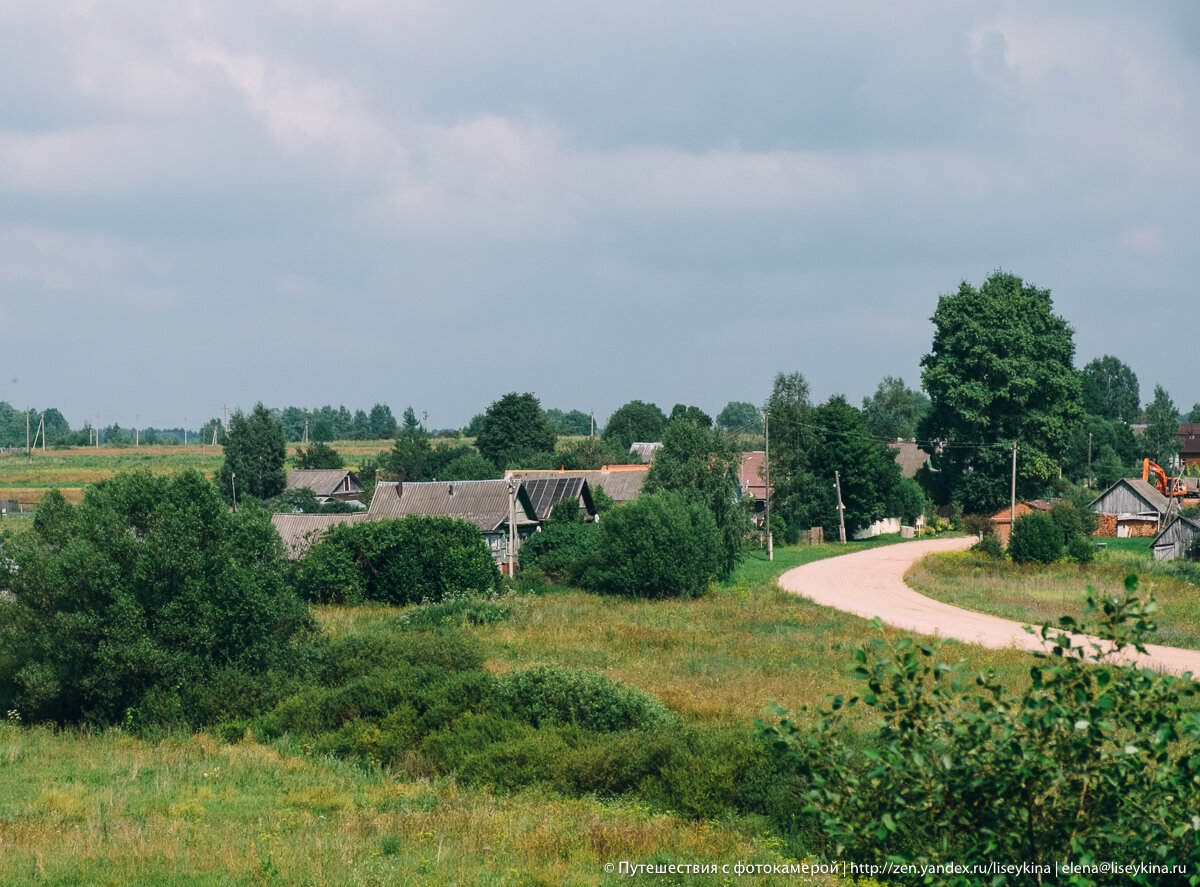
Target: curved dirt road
871 583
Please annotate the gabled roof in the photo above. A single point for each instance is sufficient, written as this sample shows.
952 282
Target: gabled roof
645 451
909 456
1193 523
483 503
322 481
547 492
1189 438
1142 490
750 474
620 483
301 531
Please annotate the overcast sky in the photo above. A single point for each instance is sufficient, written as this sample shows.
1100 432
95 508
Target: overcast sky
435 203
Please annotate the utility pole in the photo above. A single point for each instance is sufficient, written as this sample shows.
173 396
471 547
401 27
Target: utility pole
592 415
1012 502
233 486
185 431
425 421
837 482
1089 460
512 524
137 431
767 480
28 451
306 432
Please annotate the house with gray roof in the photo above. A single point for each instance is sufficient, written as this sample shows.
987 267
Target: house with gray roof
546 492
301 531
620 482
326 483
484 503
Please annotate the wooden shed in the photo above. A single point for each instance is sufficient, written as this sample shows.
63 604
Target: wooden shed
1130 507
1178 539
1002 519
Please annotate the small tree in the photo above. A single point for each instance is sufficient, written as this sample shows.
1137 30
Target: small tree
514 428
635 421
255 450
318 455
1035 538
658 546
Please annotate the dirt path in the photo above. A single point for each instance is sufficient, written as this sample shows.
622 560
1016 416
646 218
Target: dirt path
871 583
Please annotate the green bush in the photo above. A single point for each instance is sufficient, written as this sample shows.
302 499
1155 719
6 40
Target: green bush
989 545
1081 550
559 553
550 694
978 525
1035 538
147 594
1092 762
412 560
658 546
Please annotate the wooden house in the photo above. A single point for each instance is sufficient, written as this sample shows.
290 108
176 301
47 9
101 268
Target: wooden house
1189 446
484 503
301 531
620 482
546 492
327 483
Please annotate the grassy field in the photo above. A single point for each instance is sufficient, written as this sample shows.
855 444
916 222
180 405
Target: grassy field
110 808
1036 594
71 470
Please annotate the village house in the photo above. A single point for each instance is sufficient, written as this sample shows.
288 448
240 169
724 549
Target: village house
326 484
1002 519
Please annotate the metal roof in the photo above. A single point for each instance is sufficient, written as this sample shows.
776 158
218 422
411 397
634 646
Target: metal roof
909 456
645 450
547 492
620 484
482 502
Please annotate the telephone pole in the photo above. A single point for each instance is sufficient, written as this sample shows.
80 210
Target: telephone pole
837 482
1012 502
1089 460
767 479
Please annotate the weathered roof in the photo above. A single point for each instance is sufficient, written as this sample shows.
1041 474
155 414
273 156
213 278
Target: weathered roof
620 483
484 503
322 481
1146 492
750 474
1025 506
909 456
1189 438
645 450
301 531
546 492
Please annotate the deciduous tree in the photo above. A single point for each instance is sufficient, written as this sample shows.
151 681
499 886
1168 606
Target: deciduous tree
635 421
894 411
1160 440
255 450
1111 386
1001 370
514 428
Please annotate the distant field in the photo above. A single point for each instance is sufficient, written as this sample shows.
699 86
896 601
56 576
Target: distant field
71 470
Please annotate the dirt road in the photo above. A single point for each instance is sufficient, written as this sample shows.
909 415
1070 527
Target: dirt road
871 583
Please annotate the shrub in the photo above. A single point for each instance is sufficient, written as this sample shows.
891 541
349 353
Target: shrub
978 525
411 560
989 545
552 695
657 546
147 591
1081 550
1091 762
1035 538
559 552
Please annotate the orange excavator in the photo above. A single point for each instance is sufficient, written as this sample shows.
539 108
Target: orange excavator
1168 486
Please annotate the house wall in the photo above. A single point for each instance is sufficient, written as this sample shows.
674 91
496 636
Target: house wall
1120 500
1175 542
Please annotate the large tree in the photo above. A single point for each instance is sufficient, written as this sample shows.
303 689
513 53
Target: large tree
514 428
255 449
795 440
1001 371
894 410
1160 440
635 421
1110 389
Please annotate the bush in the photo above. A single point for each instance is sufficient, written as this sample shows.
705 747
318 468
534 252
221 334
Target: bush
559 552
1035 538
1081 550
412 560
147 592
989 545
657 546
978 525
553 695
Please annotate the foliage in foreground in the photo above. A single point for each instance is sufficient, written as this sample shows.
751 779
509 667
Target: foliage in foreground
1094 762
149 596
